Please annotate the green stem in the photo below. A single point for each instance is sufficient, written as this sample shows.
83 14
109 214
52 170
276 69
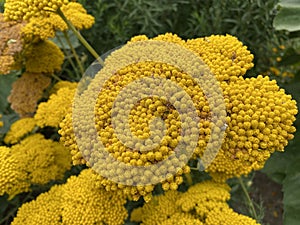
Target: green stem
68 58
74 52
56 77
189 179
80 37
250 203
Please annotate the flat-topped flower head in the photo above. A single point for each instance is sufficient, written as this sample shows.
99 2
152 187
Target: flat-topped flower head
81 200
25 9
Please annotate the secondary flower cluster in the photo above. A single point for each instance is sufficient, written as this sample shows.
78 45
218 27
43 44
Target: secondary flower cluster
42 28
35 160
25 9
81 200
202 204
52 112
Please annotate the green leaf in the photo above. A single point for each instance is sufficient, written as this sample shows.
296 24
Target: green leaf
276 166
7 121
288 17
291 197
5 87
61 41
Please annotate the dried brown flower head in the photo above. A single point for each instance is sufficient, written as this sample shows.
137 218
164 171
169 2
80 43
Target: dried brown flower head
10 43
26 92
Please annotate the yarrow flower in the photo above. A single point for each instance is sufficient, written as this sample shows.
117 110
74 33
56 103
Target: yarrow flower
43 28
25 9
26 92
204 203
52 112
82 200
43 57
226 56
35 160
259 115
19 129
12 180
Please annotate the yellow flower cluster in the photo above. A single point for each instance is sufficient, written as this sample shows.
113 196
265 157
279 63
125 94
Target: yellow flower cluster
259 114
52 112
10 44
204 197
62 84
202 204
80 201
25 9
26 92
77 15
43 57
151 107
226 216
226 56
19 129
12 180
261 120
44 28
35 160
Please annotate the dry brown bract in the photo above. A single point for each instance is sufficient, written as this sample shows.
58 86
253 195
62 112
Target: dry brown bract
10 43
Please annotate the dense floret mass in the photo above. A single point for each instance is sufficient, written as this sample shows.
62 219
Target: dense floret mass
19 129
35 160
43 57
202 204
25 9
52 112
256 119
82 200
42 28
261 117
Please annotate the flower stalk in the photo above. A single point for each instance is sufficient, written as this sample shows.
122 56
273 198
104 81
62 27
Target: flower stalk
80 37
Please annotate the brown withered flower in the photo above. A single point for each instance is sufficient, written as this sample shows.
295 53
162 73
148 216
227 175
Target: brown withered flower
10 44
27 91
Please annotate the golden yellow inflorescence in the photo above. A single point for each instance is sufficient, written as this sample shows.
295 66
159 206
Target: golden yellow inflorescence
19 130
26 9
35 160
52 112
43 28
261 117
82 200
139 119
12 180
226 56
43 57
259 114
62 84
198 205
27 91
